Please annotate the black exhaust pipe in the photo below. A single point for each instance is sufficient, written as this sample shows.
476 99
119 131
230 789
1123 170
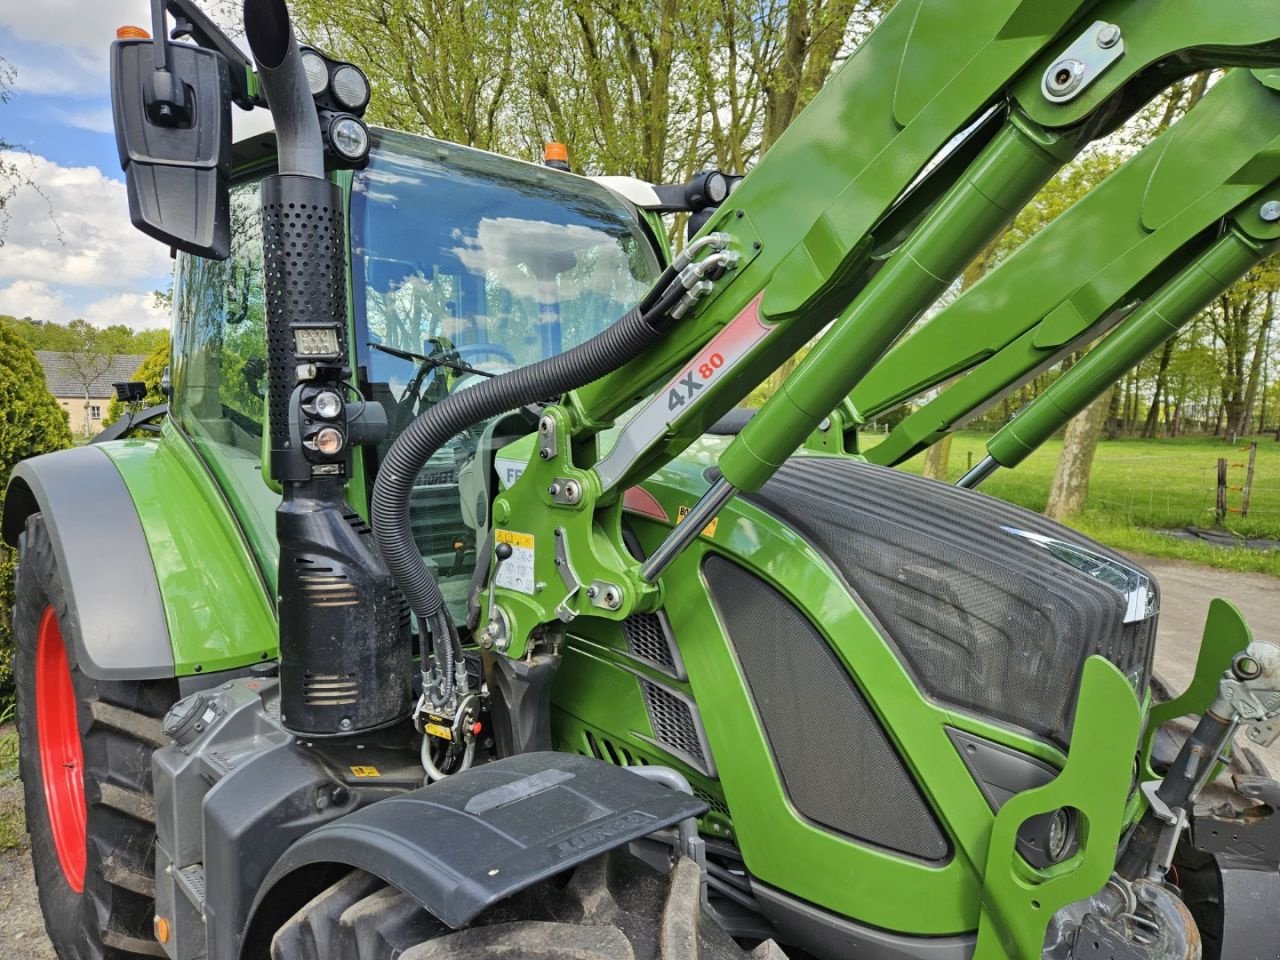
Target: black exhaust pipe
345 662
284 83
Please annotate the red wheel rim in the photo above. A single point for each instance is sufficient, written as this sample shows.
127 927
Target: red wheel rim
61 757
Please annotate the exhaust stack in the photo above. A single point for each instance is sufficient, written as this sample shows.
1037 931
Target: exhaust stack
275 54
345 664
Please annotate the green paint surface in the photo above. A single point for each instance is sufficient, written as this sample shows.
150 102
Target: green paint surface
216 603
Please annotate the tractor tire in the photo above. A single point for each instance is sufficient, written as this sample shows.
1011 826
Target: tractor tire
85 757
612 908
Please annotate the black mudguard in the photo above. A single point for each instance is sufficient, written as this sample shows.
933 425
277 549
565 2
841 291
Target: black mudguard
102 552
465 843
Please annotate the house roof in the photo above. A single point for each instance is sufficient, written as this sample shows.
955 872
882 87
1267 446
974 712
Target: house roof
67 373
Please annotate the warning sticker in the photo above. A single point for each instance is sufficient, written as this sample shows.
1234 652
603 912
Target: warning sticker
516 572
708 531
439 730
365 772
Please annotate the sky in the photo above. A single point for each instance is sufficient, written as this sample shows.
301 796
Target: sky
69 249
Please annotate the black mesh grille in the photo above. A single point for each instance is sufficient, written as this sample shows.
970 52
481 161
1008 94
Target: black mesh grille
838 765
986 619
649 639
674 724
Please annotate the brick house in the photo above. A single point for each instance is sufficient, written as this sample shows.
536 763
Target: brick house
81 383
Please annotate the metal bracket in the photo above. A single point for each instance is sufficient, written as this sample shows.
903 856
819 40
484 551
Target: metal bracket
571 582
547 438
1083 62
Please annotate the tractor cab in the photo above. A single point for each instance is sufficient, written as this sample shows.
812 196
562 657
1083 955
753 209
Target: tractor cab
462 265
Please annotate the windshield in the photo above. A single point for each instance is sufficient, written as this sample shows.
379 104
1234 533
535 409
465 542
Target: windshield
466 264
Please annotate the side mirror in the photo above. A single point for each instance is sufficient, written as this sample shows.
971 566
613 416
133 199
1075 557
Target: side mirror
172 111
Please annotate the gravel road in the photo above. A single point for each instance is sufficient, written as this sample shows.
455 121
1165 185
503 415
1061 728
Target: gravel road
1186 591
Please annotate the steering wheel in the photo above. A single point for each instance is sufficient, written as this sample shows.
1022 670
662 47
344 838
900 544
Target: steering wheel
483 349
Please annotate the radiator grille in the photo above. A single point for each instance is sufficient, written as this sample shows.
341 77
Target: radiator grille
649 638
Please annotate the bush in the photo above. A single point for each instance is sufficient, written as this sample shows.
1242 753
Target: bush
150 371
31 422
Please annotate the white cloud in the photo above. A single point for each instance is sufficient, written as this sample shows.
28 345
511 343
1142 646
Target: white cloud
31 298
40 301
66 42
75 230
97 120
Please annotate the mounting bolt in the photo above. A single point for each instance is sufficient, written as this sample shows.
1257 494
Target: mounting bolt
546 425
344 724
611 599
572 491
544 454
592 592
1270 211
1064 76
554 490
1108 36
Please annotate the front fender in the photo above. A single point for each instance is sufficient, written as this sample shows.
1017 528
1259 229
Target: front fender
161 582
461 845
115 610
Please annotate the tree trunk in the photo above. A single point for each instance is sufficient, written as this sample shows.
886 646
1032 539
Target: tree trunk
937 458
1070 487
1151 427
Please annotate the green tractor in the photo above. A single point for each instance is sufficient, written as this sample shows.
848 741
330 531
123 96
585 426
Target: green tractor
456 611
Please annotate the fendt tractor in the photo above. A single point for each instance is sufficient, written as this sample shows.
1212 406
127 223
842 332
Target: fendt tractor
455 609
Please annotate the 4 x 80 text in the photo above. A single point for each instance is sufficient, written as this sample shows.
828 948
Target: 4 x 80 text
693 381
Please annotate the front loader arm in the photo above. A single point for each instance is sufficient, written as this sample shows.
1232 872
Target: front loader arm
1088 270
828 230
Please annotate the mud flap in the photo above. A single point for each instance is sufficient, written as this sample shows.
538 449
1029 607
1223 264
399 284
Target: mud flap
465 843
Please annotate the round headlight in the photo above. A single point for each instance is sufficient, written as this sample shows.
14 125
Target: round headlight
349 138
717 188
328 440
317 72
1059 835
350 87
327 405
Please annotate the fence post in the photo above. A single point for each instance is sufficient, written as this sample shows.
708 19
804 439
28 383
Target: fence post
1222 489
1248 479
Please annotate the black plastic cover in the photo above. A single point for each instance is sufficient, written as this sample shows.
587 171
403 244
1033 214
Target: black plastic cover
465 843
177 176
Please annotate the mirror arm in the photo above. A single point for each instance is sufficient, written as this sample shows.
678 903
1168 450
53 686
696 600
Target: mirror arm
194 23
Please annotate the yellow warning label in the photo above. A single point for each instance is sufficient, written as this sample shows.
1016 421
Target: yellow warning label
515 539
439 730
708 531
365 772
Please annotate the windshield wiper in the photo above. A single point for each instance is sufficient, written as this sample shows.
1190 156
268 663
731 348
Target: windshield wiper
458 365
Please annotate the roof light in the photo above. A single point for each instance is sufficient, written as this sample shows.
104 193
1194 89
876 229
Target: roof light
131 33
316 70
350 87
349 138
555 155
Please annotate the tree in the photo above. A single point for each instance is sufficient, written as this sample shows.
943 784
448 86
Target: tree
89 358
33 423
151 372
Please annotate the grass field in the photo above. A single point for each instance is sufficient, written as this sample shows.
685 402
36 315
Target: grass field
1139 487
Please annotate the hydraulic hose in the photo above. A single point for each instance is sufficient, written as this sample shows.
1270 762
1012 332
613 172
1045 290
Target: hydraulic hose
399 469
